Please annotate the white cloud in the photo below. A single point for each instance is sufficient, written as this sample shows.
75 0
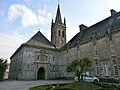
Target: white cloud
10 43
27 16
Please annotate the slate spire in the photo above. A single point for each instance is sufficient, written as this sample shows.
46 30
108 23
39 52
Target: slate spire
58 16
64 21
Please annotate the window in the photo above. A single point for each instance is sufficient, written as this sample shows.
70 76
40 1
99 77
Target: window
46 57
115 68
38 57
111 47
95 50
53 58
28 66
114 62
62 33
97 71
42 57
105 68
97 68
59 33
53 68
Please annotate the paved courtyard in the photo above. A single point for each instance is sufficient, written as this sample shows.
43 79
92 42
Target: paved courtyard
25 85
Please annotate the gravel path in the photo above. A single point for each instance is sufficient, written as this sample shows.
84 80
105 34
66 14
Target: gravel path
25 85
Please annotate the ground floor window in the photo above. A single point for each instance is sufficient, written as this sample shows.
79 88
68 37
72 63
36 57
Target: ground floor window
97 71
115 70
105 69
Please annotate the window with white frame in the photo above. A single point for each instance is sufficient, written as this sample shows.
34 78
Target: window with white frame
105 69
115 68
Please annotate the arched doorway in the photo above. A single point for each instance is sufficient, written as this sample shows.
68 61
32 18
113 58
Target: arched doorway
41 74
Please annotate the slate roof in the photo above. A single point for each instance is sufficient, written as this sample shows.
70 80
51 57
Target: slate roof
58 18
40 40
98 28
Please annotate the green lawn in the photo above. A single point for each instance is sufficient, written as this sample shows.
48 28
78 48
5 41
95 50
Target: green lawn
76 86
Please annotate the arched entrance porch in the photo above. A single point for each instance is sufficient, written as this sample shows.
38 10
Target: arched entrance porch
41 74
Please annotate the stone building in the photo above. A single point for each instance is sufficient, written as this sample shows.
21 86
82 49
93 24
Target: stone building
39 58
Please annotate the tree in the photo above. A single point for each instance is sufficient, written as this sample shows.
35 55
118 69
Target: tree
78 67
87 63
3 65
74 67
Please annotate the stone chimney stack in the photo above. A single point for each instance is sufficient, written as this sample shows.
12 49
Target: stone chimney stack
113 12
82 27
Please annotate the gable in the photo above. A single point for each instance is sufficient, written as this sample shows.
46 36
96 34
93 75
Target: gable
40 40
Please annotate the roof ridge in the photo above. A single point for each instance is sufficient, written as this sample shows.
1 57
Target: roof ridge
40 39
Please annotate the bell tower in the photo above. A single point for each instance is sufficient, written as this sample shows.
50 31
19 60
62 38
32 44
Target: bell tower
58 30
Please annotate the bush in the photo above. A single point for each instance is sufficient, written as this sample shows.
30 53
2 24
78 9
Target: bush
107 87
110 80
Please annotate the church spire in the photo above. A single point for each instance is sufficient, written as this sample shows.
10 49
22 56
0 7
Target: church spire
58 30
58 16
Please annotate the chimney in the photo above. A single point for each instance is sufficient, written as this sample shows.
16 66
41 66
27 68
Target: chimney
82 27
113 12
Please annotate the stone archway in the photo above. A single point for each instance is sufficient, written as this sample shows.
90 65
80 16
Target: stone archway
41 74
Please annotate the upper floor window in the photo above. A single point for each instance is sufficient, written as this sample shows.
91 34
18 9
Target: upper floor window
112 49
59 33
46 57
38 57
95 49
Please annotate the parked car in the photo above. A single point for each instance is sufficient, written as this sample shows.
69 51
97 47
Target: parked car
88 78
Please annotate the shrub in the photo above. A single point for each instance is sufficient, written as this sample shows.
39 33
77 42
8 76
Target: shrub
107 87
109 80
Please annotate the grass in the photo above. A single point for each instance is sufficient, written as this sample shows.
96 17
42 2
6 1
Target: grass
76 86
44 87
71 86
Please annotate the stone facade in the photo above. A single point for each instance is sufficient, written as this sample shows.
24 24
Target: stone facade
40 59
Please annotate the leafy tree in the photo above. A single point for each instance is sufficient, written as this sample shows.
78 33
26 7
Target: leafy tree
3 65
79 66
87 63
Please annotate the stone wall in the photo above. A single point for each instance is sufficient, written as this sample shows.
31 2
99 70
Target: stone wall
102 63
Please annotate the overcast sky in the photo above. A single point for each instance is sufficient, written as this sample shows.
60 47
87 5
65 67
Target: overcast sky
21 19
